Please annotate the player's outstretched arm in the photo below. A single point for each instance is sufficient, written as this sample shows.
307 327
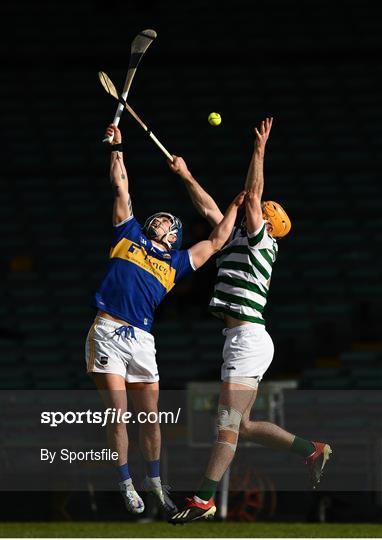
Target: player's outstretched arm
203 202
122 208
203 250
253 211
255 175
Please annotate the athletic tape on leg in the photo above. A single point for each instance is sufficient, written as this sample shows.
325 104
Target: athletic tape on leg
232 446
228 418
252 382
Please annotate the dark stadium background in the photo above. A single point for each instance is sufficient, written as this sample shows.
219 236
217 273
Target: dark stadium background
312 65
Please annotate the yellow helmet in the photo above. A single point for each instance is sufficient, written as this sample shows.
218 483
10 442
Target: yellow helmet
277 217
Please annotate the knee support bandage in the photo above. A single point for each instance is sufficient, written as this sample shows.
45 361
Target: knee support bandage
228 420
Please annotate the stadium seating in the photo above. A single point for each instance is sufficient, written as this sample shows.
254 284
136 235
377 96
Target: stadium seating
323 169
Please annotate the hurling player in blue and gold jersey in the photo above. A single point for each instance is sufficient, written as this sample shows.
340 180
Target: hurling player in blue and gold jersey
144 265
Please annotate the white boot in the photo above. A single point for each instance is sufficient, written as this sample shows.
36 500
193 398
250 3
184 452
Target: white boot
133 502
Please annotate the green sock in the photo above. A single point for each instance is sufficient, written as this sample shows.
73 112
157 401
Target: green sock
302 447
207 489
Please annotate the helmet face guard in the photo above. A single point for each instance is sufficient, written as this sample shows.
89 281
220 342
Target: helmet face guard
176 228
277 217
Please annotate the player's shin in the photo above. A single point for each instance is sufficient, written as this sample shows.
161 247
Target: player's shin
222 454
118 440
223 451
150 443
150 440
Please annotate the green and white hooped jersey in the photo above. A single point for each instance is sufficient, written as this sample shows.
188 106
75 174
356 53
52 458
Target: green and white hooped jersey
245 267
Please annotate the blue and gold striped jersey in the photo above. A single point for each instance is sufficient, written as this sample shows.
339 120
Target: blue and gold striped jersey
139 275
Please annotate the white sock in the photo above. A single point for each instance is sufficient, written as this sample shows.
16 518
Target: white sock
127 484
198 500
154 480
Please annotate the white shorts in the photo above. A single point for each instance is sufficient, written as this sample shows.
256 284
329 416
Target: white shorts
248 351
123 350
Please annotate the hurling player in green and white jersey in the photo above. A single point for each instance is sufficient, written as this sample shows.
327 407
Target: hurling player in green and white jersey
244 273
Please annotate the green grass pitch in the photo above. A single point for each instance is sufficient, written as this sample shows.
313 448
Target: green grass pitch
209 530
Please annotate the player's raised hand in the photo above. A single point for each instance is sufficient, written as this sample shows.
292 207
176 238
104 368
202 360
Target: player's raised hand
239 199
262 133
113 131
178 166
